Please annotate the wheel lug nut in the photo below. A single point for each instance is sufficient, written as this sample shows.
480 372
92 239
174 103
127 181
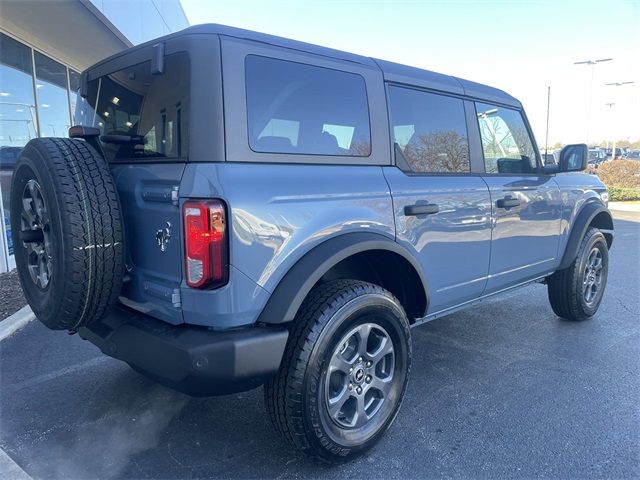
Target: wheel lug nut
360 359
369 364
359 390
368 379
350 386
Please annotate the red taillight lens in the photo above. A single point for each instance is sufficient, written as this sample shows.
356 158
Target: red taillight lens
205 236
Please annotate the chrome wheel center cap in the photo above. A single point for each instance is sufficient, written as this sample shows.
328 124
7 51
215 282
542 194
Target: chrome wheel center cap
358 375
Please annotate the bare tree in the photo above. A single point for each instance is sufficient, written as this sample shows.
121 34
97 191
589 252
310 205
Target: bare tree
438 152
360 148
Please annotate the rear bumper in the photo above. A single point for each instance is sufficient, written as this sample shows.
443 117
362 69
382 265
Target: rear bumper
191 359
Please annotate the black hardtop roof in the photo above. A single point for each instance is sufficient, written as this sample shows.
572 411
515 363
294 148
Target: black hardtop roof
393 72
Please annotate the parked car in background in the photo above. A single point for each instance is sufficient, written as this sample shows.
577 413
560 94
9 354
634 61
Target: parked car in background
549 158
633 155
596 156
617 155
9 157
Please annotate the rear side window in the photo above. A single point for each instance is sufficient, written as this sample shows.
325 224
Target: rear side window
506 142
305 109
429 131
142 116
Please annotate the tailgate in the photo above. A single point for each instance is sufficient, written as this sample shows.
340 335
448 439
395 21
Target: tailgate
151 212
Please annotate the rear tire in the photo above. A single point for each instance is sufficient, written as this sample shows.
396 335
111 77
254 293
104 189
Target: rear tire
336 394
575 293
68 232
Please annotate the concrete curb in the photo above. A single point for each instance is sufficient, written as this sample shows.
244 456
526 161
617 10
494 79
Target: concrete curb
10 469
15 322
624 207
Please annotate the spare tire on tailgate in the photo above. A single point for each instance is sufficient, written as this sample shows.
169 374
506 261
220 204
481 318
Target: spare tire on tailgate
67 231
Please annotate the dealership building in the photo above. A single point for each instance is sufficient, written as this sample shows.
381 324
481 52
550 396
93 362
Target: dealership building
43 47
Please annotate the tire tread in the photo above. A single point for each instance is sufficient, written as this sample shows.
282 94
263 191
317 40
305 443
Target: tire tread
564 285
282 392
92 231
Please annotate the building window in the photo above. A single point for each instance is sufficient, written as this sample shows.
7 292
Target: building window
52 95
304 109
17 117
74 94
429 131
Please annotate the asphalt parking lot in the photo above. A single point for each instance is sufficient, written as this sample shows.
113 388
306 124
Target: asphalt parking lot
505 389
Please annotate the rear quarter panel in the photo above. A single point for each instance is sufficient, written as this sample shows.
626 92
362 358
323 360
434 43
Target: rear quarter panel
279 212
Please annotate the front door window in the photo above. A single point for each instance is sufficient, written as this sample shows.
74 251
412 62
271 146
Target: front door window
506 142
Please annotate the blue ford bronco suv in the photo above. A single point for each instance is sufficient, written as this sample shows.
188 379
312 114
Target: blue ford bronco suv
234 209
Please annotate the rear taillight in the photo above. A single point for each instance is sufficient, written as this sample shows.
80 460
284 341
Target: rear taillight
205 236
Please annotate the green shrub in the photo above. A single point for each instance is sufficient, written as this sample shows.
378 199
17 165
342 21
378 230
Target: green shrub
617 194
620 173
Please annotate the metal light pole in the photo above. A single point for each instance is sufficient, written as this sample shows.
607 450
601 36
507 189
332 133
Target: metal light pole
546 134
610 105
591 64
616 84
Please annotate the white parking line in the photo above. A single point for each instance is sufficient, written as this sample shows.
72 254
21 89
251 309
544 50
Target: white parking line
30 382
10 469
15 322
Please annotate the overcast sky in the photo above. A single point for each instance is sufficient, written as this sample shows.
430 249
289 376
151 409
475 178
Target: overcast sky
519 46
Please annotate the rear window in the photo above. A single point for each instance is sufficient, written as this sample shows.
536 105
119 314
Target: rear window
305 109
140 115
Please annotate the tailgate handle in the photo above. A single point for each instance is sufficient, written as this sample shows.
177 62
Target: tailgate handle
160 194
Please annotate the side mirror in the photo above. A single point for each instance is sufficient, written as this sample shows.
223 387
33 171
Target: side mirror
573 158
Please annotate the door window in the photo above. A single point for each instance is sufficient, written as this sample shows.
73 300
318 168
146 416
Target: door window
429 131
305 109
506 143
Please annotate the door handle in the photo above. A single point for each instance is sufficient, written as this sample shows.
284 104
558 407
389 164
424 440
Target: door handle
508 202
421 209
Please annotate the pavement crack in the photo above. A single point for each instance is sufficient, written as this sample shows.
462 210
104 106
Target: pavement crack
172 456
626 308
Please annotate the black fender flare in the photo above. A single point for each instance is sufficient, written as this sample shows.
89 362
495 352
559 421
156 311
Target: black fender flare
582 222
287 297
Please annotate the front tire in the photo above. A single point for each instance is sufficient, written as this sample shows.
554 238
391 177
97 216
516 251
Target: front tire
344 372
575 293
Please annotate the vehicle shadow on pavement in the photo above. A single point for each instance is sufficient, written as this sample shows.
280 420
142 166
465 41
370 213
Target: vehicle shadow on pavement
144 429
